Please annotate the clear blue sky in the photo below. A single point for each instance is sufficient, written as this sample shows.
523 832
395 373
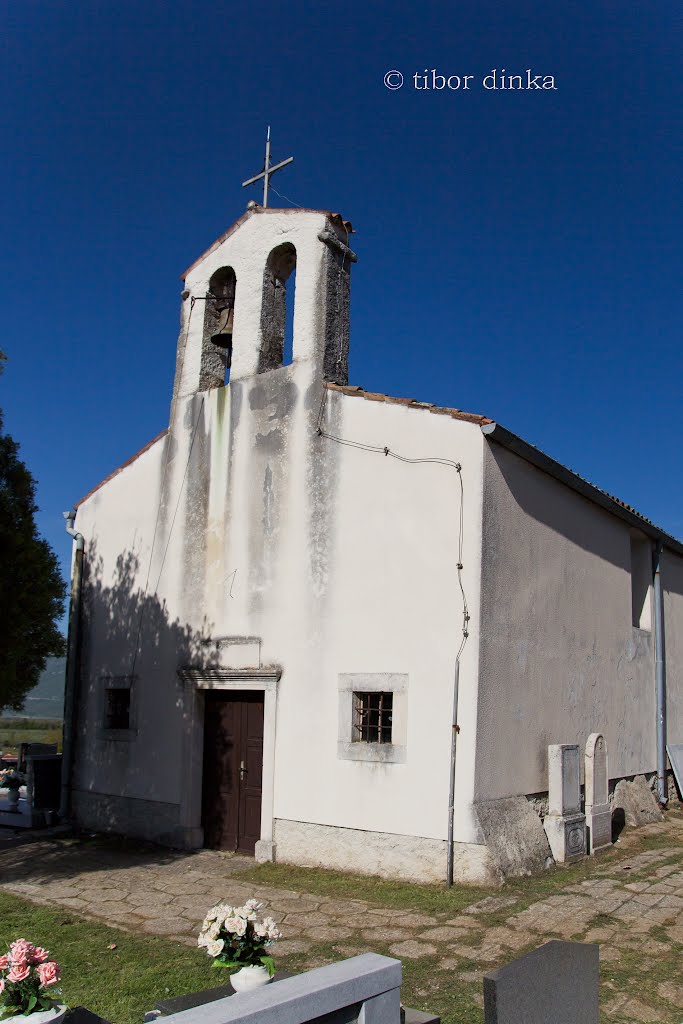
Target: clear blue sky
519 251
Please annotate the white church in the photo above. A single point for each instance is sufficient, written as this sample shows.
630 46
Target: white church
286 599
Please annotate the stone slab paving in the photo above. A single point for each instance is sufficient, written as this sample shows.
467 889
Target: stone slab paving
626 905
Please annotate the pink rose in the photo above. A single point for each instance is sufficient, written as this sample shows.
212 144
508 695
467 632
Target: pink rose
48 973
40 955
4 961
2 985
20 951
19 972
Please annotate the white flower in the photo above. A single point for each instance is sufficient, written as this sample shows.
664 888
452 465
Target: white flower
252 905
260 930
235 925
215 948
272 929
212 914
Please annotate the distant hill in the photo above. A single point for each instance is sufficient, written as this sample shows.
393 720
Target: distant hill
46 700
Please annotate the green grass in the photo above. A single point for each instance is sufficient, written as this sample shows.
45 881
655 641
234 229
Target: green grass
119 984
437 898
14 731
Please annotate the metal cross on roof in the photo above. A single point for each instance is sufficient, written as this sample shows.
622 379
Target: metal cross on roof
267 170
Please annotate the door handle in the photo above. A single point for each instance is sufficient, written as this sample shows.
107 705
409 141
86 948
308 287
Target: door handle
243 770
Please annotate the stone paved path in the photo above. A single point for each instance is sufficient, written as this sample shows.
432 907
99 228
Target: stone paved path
625 905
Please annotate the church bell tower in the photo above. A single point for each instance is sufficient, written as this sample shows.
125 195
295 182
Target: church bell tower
275 272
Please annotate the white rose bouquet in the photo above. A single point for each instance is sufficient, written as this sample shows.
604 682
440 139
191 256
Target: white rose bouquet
235 937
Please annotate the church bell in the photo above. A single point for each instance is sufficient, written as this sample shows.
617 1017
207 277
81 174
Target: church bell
223 336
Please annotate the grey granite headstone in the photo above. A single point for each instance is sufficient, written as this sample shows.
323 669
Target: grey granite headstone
565 825
598 811
556 984
365 988
44 781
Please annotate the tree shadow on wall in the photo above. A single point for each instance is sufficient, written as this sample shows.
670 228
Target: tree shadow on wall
127 631
131 642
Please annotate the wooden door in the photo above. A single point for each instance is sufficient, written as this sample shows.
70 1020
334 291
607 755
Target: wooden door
233 763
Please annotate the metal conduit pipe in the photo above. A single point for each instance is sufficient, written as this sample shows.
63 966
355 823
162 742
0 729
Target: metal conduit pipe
451 790
660 677
72 649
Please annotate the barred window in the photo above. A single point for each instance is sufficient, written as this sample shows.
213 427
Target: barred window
117 708
372 717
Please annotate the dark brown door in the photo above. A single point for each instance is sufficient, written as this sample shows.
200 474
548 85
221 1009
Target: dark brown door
233 762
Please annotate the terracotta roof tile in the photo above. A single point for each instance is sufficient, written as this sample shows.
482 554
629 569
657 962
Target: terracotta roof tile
410 403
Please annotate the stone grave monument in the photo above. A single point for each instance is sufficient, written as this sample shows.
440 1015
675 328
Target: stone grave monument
598 811
365 988
565 825
555 984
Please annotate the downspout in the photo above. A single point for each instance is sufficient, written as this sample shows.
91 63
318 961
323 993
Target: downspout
451 790
660 677
70 690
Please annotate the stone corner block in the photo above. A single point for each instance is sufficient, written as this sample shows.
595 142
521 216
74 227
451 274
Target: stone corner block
264 851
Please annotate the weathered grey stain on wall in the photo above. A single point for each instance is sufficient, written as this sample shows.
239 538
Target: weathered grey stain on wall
336 334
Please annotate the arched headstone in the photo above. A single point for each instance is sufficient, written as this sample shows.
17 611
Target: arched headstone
598 813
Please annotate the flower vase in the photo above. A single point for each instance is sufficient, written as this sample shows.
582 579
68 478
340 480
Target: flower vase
13 801
250 977
54 1015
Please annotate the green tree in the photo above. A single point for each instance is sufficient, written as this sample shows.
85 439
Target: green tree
31 587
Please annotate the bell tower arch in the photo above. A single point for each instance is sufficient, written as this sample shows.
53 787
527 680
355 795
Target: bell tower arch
233 316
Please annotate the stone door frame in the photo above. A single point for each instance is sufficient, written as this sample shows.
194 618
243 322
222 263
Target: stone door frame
196 683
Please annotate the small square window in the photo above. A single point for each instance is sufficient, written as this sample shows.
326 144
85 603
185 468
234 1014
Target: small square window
372 717
117 708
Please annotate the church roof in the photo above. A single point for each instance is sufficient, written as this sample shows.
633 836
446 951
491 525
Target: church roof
412 403
254 209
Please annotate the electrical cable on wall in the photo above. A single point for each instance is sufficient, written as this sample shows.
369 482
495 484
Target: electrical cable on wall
388 453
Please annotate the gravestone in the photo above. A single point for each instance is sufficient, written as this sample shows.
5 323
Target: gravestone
364 988
675 752
598 811
27 749
44 781
565 825
555 984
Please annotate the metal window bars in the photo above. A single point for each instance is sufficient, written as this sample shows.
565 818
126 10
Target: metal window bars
372 717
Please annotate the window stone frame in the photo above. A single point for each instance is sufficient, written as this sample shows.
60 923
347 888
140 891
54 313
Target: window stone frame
118 683
395 683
